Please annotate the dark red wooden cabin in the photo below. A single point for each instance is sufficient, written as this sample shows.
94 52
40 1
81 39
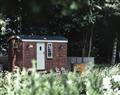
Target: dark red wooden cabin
48 51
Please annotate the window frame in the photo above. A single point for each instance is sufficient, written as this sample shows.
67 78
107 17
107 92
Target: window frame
51 49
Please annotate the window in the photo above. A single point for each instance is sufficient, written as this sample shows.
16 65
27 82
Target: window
40 48
49 50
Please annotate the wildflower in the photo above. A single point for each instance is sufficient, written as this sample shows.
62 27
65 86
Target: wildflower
69 82
118 92
116 78
107 83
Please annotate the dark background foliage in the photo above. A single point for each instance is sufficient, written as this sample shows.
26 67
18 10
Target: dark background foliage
74 19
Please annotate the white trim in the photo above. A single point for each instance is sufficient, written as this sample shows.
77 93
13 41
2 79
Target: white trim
51 50
32 40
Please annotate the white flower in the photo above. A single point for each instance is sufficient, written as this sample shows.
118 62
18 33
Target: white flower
118 92
116 89
88 83
116 78
109 92
107 83
69 82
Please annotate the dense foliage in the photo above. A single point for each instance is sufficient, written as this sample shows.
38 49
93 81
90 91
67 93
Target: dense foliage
90 25
99 81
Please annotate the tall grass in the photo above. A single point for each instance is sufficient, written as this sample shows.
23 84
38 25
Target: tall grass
105 81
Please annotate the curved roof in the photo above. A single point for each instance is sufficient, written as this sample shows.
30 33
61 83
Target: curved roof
37 38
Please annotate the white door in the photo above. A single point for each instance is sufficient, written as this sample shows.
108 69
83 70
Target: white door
40 56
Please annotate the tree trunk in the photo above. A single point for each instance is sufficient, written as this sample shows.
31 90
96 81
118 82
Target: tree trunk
114 51
90 41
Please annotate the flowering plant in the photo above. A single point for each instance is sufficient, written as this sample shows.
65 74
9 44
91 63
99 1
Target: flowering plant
94 82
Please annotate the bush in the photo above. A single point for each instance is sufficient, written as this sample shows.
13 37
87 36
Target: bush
95 82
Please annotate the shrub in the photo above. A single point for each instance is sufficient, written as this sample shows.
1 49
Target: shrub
95 82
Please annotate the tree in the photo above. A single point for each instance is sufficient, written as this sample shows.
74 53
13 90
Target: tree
90 10
96 9
70 18
2 33
114 7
